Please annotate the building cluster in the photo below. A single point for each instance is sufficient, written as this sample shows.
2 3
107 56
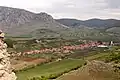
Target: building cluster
65 49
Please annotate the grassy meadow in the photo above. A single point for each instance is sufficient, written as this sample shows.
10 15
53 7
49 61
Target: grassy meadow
49 68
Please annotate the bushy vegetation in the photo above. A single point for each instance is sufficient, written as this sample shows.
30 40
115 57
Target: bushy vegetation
10 43
107 55
115 56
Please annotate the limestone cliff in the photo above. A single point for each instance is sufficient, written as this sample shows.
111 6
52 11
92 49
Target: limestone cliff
5 66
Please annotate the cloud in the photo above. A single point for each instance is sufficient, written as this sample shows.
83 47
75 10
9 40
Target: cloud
80 9
113 3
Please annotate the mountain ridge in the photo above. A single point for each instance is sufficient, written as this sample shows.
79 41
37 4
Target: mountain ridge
95 22
10 17
16 22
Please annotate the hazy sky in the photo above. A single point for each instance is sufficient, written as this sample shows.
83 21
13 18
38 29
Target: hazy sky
80 9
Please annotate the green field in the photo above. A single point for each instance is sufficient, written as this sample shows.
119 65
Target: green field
49 68
97 56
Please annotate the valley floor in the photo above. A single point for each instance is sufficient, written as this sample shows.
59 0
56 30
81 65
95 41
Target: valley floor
50 68
55 63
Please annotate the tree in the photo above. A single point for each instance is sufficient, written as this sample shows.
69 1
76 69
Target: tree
9 42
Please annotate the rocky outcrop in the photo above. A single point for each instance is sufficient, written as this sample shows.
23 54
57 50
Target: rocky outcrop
5 66
10 17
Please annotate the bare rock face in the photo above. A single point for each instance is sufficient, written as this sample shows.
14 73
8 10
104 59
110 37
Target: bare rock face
5 66
19 22
14 17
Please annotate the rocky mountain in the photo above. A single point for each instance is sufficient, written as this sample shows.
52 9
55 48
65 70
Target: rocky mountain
15 17
17 22
99 23
10 17
21 23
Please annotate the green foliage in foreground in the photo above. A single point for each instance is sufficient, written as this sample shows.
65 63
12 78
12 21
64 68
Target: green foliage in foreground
53 69
115 56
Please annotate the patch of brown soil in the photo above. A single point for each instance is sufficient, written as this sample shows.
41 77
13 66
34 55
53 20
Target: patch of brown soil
26 62
34 60
29 59
37 61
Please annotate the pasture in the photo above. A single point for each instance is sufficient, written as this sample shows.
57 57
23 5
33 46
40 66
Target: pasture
49 68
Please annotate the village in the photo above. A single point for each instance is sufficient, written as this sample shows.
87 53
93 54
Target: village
67 49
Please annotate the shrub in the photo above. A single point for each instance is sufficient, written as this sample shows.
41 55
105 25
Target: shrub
29 42
35 78
53 76
113 57
9 42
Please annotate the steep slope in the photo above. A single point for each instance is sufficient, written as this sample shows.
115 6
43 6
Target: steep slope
17 22
44 21
10 17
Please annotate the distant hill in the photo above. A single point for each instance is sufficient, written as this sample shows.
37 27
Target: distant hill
90 23
21 23
70 22
94 29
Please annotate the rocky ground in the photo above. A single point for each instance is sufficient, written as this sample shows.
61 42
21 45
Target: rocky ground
5 66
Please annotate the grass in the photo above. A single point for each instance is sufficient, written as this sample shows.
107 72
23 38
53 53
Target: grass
87 53
97 56
82 74
49 68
